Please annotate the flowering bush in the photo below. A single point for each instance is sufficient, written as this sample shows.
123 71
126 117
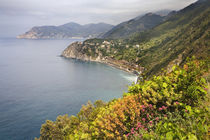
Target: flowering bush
168 107
177 98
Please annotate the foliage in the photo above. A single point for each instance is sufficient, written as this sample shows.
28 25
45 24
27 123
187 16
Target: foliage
171 106
114 120
177 98
183 84
125 29
184 34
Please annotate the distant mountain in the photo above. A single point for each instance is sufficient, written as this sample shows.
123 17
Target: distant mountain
164 12
140 23
69 30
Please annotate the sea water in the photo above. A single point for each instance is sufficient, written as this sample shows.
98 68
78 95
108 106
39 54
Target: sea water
37 84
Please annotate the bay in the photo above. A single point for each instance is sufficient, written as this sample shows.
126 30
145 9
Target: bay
37 84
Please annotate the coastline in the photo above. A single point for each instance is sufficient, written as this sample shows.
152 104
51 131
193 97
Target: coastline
81 50
121 68
109 63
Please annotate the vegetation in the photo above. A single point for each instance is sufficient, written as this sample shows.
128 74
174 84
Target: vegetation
125 29
182 35
171 106
186 34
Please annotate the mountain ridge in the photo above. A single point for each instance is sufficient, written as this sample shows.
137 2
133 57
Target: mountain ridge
137 24
65 31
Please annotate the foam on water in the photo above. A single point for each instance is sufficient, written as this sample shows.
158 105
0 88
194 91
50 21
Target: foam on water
130 78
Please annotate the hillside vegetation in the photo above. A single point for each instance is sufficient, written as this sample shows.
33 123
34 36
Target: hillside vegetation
165 105
125 29
183 35
186 33
171 106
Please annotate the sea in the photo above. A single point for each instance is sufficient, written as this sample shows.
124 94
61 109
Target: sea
36 85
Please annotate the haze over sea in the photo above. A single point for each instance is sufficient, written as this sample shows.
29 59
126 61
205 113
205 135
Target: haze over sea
36 84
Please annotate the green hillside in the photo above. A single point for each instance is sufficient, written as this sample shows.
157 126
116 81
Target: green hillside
125 29
184 34
173 106
187 33
169 105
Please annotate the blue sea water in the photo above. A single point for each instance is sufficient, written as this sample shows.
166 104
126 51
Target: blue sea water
36 84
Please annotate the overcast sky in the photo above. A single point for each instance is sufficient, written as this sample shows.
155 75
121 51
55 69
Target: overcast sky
17 16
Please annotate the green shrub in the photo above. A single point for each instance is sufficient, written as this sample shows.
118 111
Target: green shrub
167 107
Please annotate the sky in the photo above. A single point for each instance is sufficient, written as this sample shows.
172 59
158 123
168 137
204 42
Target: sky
18 16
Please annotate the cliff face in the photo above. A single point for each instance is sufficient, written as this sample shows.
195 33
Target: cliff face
89 51
77 51
30 35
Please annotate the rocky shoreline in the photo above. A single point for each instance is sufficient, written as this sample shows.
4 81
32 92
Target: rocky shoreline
75 51
109 64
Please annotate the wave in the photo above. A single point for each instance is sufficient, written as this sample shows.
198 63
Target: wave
130 78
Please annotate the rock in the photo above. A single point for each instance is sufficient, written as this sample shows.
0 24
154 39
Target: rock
81 51
77 51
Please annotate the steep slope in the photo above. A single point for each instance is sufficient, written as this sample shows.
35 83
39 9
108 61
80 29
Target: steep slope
173 106
164 12
185 33
65 31
138 24
169 106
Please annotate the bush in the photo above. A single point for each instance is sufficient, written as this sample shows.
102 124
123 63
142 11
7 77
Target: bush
171 106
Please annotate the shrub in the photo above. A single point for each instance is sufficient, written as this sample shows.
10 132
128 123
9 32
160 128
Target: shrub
171 106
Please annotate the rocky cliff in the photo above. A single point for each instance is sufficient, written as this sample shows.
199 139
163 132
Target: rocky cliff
77 51
87 51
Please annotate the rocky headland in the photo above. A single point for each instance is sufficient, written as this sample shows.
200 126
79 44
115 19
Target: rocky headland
82 51
67 31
